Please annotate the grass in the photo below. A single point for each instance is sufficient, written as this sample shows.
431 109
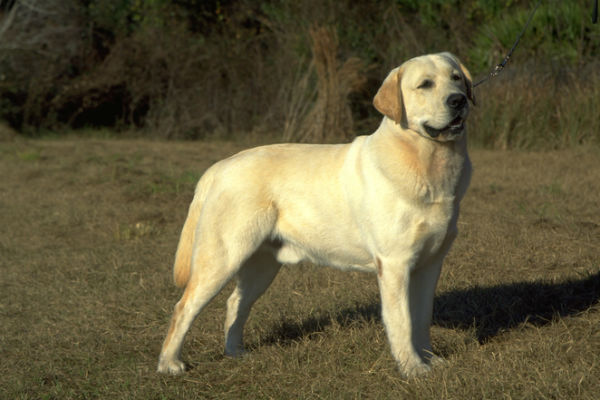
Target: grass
561 108
89 233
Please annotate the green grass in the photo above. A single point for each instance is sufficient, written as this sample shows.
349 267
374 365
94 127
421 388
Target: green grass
86 290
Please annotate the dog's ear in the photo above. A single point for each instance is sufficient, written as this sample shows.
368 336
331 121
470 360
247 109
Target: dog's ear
468 82
388 99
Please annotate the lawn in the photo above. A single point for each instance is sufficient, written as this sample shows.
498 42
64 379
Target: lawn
89 232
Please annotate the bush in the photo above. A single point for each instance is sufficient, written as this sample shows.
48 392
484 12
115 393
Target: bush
538 107
292 70
559 32
324 113
41 49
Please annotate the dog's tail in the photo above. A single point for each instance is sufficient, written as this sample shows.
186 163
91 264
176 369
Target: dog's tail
185 249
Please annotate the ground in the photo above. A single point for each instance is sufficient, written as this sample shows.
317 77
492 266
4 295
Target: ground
89 231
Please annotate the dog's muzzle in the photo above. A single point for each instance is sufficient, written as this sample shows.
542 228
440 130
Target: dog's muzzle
455 102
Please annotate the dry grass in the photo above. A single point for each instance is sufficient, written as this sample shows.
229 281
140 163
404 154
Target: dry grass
539 107
89 229
327 117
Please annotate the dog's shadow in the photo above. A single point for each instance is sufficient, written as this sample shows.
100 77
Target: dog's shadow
496 309
487 310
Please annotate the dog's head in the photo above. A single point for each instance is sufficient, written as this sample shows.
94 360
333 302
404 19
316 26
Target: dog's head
428 95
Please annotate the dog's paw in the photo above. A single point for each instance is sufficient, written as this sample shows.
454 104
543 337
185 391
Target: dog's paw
435 361
173 367
414 369
235 353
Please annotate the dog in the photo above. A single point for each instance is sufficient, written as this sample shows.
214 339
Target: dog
385 203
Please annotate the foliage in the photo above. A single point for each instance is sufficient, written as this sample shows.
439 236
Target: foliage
560 32
195 68
126 16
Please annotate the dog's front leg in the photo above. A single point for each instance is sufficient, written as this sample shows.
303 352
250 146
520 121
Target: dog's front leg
394 284
422 285
423 281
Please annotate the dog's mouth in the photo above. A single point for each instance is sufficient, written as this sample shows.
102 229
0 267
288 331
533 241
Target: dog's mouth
456 126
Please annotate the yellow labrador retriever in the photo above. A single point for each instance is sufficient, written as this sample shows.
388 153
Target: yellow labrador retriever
386 203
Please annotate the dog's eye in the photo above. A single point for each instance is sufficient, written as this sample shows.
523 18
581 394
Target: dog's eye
426 84
455 77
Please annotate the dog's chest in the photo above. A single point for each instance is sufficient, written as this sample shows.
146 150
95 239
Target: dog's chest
427 203
440 180
439 190
431 225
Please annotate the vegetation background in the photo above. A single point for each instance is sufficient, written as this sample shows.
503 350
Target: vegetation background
289 70
92 198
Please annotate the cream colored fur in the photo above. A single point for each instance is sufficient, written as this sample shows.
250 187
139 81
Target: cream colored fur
386 203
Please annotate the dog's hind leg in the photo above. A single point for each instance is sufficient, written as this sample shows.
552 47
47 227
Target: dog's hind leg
253 279
226 238
199 291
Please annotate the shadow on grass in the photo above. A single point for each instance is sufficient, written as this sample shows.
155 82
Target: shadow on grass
490 310
286 332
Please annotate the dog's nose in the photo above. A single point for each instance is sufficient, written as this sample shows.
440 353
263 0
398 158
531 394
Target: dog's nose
456 101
